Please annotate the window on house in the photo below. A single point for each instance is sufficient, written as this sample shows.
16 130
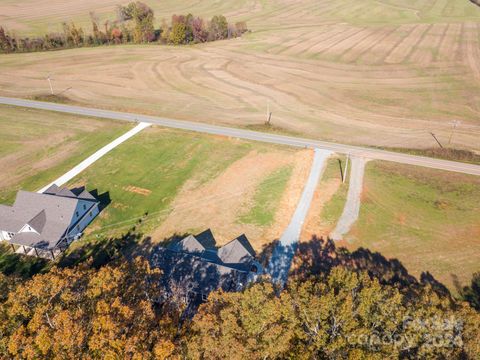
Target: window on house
76 213
78 227
84 207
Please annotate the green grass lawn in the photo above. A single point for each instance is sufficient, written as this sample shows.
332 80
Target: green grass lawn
267 197
143 175
38 146
427 219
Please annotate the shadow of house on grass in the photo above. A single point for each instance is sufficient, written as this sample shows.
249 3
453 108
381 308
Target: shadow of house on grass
318 256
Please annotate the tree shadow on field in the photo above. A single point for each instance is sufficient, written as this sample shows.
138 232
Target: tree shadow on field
318 256
100 251
469 293
20 265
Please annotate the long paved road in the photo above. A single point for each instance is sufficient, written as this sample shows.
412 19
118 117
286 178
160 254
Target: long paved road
251 135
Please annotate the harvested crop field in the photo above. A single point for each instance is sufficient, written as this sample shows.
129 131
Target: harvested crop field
427 219
38 146
376 73
165 183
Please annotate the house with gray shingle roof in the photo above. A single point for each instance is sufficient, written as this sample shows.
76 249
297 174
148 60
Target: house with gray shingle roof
193 266
44 224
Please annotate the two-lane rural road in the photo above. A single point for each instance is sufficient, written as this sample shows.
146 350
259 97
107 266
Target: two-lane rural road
251 135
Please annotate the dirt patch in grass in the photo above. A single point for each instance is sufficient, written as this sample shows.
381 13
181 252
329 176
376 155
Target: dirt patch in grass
291 196
315 224
137 190
328 201
218 203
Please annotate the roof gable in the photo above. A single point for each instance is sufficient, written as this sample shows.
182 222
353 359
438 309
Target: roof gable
38 221
236 251
53 190
190 244
85 195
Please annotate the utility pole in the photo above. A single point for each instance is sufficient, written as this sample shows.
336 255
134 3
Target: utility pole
438 142
269 113
50 83
346 168
454 123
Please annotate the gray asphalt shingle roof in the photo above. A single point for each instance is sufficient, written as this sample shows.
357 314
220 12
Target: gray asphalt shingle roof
236 251
189 244
49 214
193 265
38 221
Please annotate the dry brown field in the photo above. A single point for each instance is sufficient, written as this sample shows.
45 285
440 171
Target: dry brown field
379 73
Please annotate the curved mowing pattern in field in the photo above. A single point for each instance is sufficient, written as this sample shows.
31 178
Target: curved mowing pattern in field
371 72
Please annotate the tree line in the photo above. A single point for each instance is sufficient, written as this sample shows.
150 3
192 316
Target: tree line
134 24
119 311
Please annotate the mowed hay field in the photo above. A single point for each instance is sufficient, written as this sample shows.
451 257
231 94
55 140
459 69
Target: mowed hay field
428 225
38 146
165 182
383 73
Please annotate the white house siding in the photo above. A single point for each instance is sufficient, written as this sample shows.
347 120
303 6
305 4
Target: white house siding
4 235
27 228
85 218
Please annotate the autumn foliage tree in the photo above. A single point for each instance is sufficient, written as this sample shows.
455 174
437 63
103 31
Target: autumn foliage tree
134 23
218 28
344 315
119 311
142 16
6 41
87 313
